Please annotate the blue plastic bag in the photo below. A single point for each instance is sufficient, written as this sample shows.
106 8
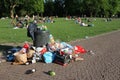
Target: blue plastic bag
48 57
10 57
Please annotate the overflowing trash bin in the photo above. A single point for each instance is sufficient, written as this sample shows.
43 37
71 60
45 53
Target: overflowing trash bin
39 34
41 38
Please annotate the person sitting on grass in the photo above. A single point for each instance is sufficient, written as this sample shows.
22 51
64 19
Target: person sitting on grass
83 24
78 20
18 25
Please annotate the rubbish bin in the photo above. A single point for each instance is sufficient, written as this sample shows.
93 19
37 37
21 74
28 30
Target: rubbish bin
41 38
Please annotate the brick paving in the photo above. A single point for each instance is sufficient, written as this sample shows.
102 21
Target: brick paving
103 65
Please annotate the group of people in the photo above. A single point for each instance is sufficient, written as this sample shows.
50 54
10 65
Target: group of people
82 23
46 20
24 21
21 21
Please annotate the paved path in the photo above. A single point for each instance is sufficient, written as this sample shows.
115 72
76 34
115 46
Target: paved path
104 65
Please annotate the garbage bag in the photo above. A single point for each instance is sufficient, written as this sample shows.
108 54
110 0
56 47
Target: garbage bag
48 57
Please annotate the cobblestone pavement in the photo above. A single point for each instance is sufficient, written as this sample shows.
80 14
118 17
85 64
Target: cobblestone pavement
103 65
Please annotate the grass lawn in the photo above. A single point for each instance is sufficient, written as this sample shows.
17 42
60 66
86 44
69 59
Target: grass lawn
64 30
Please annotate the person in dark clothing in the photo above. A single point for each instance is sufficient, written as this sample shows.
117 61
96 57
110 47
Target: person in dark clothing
32 28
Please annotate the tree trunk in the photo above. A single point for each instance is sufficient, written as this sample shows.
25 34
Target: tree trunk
91 14
41 14
12 14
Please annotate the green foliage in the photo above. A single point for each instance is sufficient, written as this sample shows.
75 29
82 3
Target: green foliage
71 6
49 7
27 8
92 7
39 6
64 30
89 8
59 7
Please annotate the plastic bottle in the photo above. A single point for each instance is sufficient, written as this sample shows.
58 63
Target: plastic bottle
44 28
90 52
52 41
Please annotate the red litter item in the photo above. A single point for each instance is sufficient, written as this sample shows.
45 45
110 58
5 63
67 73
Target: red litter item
79 49
43 51
26 46
62 53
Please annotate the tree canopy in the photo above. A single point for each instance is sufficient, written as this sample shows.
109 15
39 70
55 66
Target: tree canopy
89 8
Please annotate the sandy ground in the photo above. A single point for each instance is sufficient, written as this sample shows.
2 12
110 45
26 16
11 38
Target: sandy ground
103 65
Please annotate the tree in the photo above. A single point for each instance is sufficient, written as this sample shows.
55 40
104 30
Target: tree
59 7
22 6
3 9
11 4
49 7
39 6
31 7
70 6
26 8
118 9
91 7
114 4
109 7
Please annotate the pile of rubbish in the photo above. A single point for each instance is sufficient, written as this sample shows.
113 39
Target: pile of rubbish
51 52
61 53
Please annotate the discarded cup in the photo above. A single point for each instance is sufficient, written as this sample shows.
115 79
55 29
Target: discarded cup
27 63
33 61
33 70
90 52
30 71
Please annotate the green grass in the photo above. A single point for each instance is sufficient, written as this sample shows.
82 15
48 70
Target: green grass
64 30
